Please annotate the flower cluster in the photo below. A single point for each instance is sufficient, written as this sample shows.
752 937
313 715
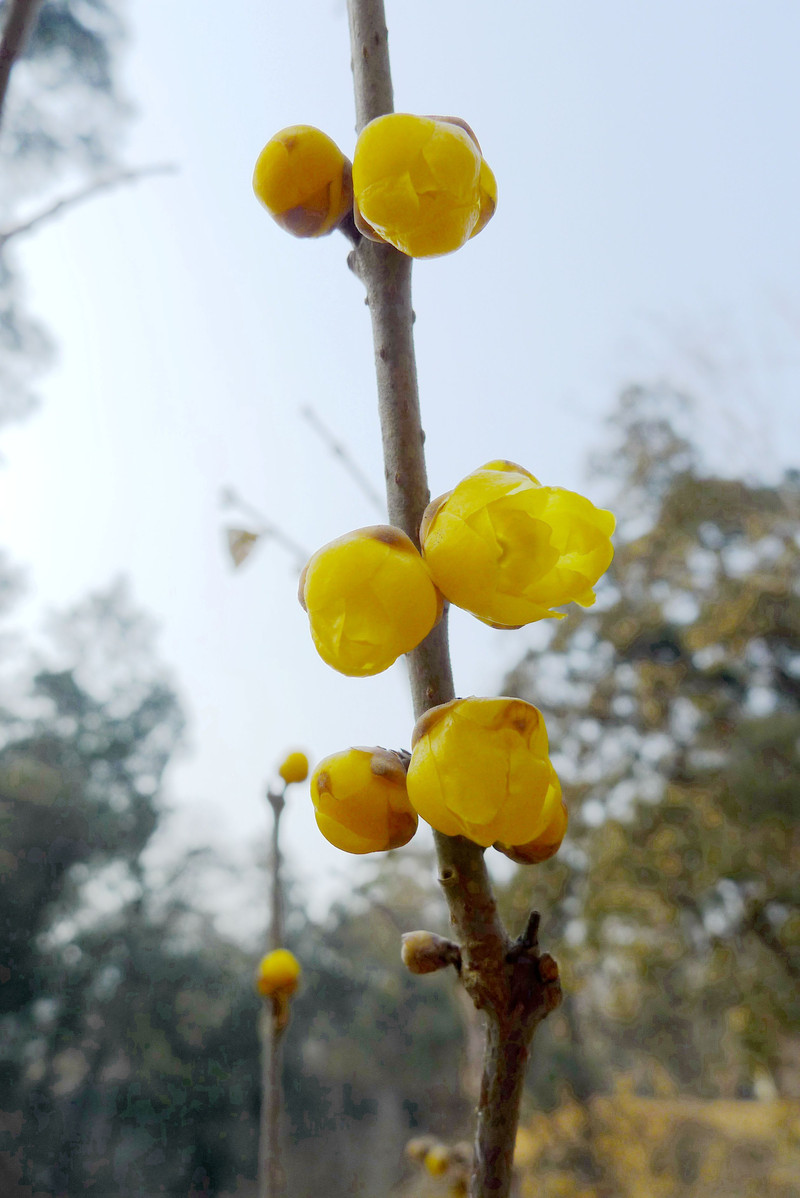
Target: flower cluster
500 544
508 550
419 183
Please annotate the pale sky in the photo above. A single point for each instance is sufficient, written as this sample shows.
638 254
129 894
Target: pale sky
649 190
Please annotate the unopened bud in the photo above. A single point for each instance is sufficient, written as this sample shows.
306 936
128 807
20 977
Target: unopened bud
437 1160
425 952
418 1148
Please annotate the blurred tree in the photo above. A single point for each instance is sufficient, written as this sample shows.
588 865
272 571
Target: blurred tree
674 714
61 125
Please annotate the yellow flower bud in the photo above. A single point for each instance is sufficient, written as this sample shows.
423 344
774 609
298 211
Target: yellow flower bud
304 181
369 598
480 769
508 550
425 952
437 1160
547 844
419 185
361 802
294 768
278 974
418 1148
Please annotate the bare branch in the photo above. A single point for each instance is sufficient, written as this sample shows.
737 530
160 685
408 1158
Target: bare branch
131 175
514 994
22 16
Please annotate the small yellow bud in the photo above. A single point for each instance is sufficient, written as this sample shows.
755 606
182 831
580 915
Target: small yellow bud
418 1148
360 801
369 598
304 181
419 185
425 952
437 1160
508 550
294 768
547 844
480 769
278 974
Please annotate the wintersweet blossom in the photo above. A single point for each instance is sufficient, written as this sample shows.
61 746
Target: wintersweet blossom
304 181
278 974
509 550
361 802
369 598
548 842
421 184
294 768
480 768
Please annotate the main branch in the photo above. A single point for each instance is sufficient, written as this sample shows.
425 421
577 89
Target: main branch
506 981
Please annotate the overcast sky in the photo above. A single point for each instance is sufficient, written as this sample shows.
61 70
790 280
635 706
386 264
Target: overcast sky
649 190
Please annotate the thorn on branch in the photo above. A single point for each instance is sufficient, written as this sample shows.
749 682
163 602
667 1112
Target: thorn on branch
526 945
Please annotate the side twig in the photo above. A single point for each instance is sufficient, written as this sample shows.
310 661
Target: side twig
132 175
513 985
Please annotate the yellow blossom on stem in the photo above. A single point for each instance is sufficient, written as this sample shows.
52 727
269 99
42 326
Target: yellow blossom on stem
294 768
437 1160
361 802
419 183
304 181
480 768
548 842
369 598
509 550
278 974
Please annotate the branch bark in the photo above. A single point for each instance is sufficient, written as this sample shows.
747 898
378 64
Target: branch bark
21 19
512 984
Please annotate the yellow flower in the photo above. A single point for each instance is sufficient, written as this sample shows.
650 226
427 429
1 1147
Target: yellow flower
360 801
487 185
278 973
294 768
508 550
548 842
437 1160
369 598
480 769
420 183
304 181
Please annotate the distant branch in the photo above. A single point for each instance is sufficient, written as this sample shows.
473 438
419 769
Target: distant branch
22 16
338 450
132 175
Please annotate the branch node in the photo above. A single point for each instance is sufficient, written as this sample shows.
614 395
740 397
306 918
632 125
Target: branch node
548 968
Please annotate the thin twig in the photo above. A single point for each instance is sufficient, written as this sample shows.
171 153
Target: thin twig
345 457
274 1018
21 19
514 994
263 528
131 175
